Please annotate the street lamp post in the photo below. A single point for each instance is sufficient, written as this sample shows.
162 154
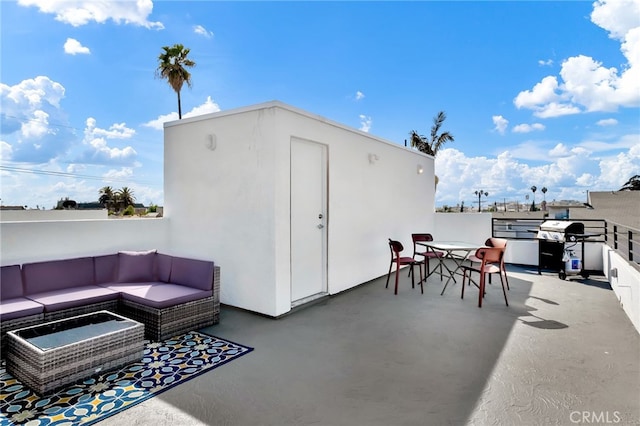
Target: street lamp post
480 194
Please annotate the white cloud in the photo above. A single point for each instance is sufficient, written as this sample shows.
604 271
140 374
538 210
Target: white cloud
587 85
586 179
102 153
123 173
75 168
78 190
559 150
74 47
359 95
200 30
607 122
618 17
82 12
28 109
547 63
6 151
542 93
33 93
567 171
158 123
365 123
623 142
37 127
207 107
116 131
555 109
500 123
527 128
616 170
99 152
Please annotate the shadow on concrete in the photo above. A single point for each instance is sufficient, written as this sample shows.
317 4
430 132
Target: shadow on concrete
367 357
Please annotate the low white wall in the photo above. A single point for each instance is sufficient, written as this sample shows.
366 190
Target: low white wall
39 215
469 227
23 242
625 282
525 252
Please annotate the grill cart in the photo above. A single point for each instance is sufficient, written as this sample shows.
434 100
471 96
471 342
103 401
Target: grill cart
561 247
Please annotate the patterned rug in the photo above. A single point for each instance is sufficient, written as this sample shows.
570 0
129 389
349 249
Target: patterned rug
164 365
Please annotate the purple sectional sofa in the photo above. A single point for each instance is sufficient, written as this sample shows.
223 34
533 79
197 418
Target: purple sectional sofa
169 294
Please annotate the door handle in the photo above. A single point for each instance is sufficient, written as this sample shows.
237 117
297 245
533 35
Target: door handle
320 226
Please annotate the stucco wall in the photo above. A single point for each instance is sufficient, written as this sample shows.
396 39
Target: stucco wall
220 200
39 215
23 242
375 193
233 202
469 227
625 282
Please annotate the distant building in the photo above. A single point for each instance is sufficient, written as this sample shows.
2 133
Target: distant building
616 207
94 205
561 209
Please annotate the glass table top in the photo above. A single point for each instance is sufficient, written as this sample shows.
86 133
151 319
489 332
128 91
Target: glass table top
56 334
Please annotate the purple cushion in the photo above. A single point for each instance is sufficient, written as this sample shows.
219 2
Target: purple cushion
11 282
57 275
19 307
163 295
106 268
193 273
71 298
136 266
163 267
123 287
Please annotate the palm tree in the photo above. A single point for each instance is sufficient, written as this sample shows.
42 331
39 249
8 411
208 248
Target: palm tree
544 193
633 184
171 65
433 145
533 205
125 197
107 197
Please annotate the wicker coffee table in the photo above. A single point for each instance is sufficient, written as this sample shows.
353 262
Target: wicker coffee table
49 356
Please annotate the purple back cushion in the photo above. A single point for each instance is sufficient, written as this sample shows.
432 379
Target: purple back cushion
57 274
193 273
136 266
163 267
10 282
106 268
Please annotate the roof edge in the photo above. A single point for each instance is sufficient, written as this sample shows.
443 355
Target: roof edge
290 108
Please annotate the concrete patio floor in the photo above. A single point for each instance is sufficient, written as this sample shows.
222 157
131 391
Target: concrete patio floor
562 352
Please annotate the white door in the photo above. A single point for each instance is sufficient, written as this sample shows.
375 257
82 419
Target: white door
308 220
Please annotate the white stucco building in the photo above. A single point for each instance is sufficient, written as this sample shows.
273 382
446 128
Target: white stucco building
291 205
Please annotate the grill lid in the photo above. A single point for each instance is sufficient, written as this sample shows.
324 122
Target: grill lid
560 230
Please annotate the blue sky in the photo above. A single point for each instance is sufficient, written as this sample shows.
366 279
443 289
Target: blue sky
536 93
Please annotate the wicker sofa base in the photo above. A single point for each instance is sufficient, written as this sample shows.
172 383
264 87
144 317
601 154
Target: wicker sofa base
14 324
110 305
161 324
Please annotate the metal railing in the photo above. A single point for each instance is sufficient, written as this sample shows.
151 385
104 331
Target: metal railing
527 229
623 239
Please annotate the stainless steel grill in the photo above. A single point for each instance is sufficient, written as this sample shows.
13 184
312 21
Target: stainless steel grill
552 252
